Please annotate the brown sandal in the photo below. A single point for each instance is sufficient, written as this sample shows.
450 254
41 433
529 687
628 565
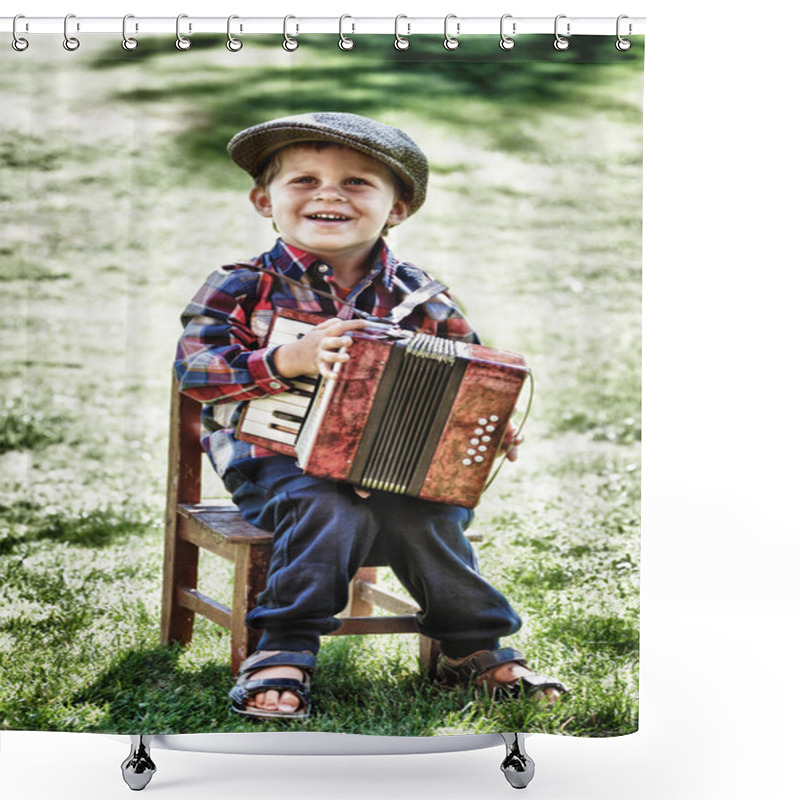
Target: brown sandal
477 671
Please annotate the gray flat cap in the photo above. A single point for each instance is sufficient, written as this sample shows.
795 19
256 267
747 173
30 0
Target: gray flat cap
250 148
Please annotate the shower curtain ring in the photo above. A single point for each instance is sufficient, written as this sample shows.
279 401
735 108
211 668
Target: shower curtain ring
623 44
289 44
128 42
233 44
451 42
560 42
400 42
345 42
506 42
71 43
181 42
18 42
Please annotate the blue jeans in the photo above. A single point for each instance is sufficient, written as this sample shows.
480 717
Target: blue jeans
324 532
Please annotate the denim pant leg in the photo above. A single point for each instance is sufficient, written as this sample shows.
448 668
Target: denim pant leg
425 545
323 532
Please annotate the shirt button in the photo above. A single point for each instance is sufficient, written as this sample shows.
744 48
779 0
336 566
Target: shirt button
275 385
323 268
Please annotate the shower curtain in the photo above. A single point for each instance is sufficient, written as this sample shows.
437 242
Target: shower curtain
119 199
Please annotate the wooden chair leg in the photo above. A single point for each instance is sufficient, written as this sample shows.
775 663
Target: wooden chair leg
180 569
250 567
429 651
357 606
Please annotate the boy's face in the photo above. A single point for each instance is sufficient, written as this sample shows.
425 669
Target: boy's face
332 202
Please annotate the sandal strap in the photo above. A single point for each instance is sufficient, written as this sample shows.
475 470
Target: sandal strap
242 692
538 683
484 661
287 658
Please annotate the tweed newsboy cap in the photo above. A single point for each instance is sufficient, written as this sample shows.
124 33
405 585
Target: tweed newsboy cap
250 148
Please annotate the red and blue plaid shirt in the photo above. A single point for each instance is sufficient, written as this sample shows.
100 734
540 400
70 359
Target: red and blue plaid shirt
223 358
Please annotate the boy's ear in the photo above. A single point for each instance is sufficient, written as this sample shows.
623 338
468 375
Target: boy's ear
259 197
398 213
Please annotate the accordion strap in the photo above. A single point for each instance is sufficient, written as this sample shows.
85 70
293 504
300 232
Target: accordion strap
526 413
411 301
395 316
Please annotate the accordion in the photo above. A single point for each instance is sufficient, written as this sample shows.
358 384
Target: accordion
412 414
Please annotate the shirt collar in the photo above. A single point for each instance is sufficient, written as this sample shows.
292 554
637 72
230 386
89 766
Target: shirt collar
294 262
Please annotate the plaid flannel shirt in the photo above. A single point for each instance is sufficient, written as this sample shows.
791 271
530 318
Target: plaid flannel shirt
223 359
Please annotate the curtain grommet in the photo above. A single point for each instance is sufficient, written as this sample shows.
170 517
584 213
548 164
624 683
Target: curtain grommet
233 44
289 44
561 42
401 42
506 41
451 42
19 43
71 43
181 42
345 42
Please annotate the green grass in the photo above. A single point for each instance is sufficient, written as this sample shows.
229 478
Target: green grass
114 211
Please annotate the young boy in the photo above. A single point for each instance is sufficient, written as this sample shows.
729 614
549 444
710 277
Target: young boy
333 184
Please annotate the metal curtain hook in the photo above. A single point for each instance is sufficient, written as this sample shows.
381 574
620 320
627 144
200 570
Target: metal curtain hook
128 42
18 42
233 44
345 42
70 42
450 42
506 42
560 42
289 44
623 44
400 42
181 42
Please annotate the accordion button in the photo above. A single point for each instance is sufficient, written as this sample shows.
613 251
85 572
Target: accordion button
478 431
478 459
486 438
482 448
474 441
471 451
490 428
494 418
466 462
482 421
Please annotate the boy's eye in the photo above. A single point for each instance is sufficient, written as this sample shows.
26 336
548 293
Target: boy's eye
357 181
304 179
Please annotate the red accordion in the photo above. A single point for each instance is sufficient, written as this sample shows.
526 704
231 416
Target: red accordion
413 414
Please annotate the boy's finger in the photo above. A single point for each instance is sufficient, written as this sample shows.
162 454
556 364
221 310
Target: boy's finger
335 342
332 356
343 325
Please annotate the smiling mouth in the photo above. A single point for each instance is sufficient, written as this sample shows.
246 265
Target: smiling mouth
328 217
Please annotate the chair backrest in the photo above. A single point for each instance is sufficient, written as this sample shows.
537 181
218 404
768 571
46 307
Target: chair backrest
185 467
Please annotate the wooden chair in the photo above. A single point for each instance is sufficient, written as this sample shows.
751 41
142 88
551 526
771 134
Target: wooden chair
217 527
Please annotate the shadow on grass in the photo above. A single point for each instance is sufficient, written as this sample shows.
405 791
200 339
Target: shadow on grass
147 691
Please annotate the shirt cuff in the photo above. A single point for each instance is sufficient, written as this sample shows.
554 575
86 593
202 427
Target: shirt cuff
262 368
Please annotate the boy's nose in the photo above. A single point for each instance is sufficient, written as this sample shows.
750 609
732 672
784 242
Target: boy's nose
329 191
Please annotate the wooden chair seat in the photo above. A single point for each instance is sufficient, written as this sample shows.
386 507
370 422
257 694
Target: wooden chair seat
215 526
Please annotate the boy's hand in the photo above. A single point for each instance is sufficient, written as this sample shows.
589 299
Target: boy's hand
511 441
319 350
